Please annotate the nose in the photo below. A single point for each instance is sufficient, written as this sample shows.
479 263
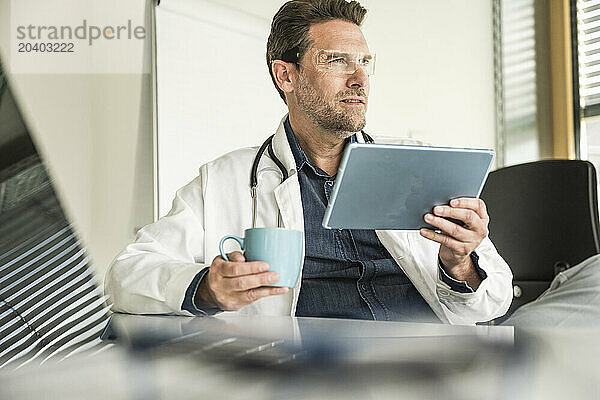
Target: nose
359 79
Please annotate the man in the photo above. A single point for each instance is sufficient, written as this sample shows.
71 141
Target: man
319 61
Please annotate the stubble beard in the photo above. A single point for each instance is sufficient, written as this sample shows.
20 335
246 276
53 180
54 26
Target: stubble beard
330 116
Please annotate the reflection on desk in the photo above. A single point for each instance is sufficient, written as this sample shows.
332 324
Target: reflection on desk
269 341
241 357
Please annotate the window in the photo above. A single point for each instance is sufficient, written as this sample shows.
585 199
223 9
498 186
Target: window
588 48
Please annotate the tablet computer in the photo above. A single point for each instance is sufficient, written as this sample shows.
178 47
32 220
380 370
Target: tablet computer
383 186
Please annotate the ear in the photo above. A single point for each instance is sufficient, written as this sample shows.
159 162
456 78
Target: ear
284 74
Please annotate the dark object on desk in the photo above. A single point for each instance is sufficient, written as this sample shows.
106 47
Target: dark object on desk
543 220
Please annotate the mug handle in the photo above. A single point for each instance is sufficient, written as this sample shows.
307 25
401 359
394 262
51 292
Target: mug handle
236 238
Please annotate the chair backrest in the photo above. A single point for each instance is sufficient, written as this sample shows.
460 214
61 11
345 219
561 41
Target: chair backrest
543 218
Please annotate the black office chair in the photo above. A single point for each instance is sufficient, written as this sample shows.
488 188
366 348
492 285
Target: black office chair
543 220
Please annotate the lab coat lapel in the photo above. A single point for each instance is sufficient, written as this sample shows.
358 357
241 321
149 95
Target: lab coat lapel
287 194
288 197
398 243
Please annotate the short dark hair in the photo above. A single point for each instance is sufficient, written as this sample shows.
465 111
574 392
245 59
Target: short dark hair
289 29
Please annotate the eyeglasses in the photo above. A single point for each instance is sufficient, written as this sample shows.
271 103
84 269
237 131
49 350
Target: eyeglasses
335 61
341 62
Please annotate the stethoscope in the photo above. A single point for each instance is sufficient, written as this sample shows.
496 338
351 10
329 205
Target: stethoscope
268 145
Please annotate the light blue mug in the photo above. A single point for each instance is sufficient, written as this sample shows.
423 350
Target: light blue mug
278 247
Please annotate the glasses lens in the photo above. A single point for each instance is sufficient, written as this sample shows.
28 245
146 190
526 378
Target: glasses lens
367 62
339 62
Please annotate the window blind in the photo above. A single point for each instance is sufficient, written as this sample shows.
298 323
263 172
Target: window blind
518 50
588 33
516 81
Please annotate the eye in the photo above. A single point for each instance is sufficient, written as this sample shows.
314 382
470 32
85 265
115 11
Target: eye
338 60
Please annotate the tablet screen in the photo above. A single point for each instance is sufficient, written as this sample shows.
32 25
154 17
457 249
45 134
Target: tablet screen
381 186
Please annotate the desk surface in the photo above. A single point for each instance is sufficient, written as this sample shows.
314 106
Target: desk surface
291 328
172 357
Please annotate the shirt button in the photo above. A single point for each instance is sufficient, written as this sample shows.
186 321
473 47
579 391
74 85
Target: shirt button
363 287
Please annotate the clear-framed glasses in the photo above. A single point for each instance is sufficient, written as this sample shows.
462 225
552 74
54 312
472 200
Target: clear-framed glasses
342 62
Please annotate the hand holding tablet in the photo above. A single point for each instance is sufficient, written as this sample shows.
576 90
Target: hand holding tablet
457 242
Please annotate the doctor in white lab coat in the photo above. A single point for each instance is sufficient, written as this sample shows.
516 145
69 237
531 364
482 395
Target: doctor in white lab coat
326 105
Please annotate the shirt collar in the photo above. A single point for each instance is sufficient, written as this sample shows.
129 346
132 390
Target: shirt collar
300 156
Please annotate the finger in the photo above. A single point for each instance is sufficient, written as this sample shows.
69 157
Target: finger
469 217
244 283
252 295
474 204
236 256
446 241
449 227
236 269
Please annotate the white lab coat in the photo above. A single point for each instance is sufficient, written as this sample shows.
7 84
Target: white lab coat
151 275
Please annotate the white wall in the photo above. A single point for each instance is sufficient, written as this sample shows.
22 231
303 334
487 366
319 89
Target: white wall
435 71
94 132
215 94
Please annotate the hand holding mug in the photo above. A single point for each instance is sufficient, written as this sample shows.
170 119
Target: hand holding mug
230 285
272 256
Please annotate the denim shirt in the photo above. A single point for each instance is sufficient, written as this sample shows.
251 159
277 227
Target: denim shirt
347 273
